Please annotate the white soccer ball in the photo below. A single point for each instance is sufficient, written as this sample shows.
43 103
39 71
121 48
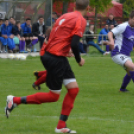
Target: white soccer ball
23 57
11 56
17 57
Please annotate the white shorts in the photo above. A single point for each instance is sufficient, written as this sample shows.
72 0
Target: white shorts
121 59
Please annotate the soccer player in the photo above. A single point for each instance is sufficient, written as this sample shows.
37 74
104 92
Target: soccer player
65 35
122 47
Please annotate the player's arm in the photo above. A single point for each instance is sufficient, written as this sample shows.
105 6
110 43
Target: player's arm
111 40
116 32
75 48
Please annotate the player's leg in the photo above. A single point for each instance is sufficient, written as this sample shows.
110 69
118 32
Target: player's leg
54 82
68 103
130 68
67 106
38 74
39 81
126 81
37 98
125 62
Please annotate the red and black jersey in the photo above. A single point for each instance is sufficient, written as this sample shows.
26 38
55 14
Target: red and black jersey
65 28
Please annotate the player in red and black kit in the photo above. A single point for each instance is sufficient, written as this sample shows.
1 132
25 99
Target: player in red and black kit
41 75
65 35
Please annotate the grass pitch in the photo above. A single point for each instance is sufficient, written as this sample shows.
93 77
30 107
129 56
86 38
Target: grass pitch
99 108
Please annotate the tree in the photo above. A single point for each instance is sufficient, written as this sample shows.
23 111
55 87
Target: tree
122 1
128 6
65 5
100 6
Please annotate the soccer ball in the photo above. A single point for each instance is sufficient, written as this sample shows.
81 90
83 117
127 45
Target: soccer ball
11 56
17 57
22 57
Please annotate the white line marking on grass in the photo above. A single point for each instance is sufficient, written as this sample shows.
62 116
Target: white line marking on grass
72 117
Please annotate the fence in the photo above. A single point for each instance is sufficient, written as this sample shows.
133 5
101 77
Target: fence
102 20
21 9
96 40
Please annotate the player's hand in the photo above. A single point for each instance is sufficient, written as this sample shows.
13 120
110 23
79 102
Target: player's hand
82 62
11 36
70 54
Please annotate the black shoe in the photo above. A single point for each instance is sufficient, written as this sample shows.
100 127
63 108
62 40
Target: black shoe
36 75
36 87
123 90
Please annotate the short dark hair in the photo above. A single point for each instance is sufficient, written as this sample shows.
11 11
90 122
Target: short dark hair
6 19
28 19
82 4
41 16
17 22
111 14
132 14
54 13
11 18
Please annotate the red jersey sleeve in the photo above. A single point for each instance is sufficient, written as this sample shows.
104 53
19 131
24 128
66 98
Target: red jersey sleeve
79 27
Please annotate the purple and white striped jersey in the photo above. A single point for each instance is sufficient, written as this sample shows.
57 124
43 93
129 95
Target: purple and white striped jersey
124 39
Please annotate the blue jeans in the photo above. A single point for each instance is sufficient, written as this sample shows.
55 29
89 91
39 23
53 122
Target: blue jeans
81 48
91 43
41 40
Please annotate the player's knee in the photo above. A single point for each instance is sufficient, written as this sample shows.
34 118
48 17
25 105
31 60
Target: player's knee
55 97
73 92
131 68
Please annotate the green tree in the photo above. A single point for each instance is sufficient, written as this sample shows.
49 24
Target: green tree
128 6
65 5
100 6
122 1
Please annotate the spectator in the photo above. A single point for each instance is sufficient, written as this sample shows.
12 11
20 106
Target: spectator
103 40
1 22
18 37
54 18
38 30
81 47
103 35
111 20
7 37
107 45
90 39
27 34
111 27
11 21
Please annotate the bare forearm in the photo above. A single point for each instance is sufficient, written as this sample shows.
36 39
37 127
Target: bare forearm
111 40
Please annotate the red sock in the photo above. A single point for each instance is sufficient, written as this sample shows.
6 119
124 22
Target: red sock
41 73
17 100
69 101
38 98
41 80
61 124
68 105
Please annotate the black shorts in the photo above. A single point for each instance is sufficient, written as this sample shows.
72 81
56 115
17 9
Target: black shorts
27 35
58 69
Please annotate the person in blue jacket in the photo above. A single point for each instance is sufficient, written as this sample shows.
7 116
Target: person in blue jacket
103 37
90 40
18 37
7 37
27 34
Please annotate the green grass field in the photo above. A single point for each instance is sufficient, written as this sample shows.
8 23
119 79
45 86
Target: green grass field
99 108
